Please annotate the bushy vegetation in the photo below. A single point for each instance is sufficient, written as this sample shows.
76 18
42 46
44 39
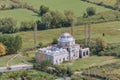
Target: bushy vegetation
13 43
2 49
27 75
27 25
100 46
43 9
46 66
8 25
55 19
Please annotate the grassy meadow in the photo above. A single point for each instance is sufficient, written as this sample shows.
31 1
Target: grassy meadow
77 6
19 15
111 30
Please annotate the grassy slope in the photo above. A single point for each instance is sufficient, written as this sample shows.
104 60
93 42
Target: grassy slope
111 30
89 62
22 14
19 14
76 5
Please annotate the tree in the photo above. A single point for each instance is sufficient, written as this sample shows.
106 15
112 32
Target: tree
71 18
2 49
43 9
27 25
101 44
47 19
13 43
8 25
90 11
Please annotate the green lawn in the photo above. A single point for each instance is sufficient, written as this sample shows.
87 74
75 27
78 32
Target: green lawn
111 30
77 6
19 15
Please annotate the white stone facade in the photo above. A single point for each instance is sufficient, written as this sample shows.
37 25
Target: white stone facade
65 50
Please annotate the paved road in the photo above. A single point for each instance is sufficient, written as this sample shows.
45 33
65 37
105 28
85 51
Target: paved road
16 67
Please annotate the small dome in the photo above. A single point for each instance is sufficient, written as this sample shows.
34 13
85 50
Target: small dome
66 37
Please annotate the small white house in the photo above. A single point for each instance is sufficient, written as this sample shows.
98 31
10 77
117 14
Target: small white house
65 50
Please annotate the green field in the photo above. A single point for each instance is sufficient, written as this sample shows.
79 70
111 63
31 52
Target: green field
19 15
77 6
111 30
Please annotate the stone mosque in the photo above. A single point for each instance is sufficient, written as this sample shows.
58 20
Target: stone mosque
65 50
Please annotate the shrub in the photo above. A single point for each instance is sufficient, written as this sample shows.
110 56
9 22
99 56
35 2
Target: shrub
55 41
43 9
2 49
12 43
90 11
40 44
27 25
8 25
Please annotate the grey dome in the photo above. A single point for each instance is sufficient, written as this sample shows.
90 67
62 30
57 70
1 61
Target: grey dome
66 37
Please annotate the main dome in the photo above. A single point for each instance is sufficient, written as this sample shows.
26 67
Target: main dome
66 37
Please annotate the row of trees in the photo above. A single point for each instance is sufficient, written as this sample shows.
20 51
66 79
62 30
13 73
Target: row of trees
10 44
49 20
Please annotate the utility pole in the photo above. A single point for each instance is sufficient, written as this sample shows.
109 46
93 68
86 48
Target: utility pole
35 35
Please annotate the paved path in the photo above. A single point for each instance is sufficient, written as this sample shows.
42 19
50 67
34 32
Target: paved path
16 67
